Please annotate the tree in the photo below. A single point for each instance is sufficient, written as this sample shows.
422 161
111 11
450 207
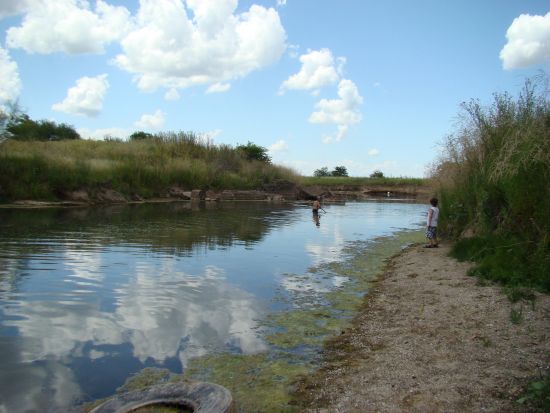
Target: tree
253 152
376 174
9 113
140 135
21 127
321 172
340 171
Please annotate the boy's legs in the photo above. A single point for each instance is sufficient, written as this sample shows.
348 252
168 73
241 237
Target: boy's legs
431 236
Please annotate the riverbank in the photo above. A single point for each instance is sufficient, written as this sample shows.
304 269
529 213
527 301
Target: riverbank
429 338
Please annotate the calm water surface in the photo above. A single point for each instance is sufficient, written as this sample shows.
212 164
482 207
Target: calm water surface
90 296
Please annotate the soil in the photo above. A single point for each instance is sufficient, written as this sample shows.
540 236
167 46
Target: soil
430 338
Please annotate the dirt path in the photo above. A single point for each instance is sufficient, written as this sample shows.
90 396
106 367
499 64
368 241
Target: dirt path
432 339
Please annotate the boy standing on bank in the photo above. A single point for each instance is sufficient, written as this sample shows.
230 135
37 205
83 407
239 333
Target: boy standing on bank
431 232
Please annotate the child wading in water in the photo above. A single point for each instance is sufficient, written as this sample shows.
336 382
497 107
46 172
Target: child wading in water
431 232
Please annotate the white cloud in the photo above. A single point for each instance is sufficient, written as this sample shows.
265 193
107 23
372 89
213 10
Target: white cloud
101 134
10 83
281 3
340 134
218 88
151 121
373 152
169 49
86 97
279 146
342 112
528 42
318 70
172 94
11 7
69 26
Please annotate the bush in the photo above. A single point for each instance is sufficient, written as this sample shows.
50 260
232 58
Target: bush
494 179
253 152
376 174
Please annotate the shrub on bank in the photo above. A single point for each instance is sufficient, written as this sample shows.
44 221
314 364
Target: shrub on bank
493 185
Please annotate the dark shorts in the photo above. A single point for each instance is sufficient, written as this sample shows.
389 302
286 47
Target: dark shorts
315 211
431 232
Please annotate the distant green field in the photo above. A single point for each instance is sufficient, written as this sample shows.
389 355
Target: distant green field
344 180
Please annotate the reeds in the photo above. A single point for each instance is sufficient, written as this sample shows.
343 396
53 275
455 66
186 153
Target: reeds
43 170
494 183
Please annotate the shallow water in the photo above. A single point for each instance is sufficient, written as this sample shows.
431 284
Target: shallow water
90 296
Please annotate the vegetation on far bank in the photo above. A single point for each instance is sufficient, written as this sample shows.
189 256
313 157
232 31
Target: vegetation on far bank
42 160
363 181
493 185
43 170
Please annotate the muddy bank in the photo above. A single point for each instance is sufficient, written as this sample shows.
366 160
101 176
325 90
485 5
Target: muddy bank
276 192
431 339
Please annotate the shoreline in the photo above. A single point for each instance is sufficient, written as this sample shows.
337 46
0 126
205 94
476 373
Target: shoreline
429 338
283 192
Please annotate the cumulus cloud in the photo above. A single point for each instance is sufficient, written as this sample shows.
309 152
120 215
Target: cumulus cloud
170 49
278 146
218 88
10 83
86 97
318 70
342 112
69 26
528 42
151 121
373 152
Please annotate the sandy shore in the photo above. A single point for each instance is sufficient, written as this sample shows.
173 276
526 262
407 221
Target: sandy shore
431 339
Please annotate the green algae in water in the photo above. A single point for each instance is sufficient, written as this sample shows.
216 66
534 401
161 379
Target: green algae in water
145 378
264 382
258 383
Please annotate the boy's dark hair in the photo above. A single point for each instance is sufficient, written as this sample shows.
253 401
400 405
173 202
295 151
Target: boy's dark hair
433 201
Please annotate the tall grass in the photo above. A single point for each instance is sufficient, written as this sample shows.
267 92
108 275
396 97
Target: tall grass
494 183
43 170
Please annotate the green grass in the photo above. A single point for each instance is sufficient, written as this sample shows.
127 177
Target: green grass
493 180
537 394
43 170
362 181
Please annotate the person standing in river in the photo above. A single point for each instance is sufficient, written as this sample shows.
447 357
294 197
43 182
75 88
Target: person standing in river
316 206
431 231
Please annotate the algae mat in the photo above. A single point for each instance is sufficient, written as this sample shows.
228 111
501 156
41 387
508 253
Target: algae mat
324 300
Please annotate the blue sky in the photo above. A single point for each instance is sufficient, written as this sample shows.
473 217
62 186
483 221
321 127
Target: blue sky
365 84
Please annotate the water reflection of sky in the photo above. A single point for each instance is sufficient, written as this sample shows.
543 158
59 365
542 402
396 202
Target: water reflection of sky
82 310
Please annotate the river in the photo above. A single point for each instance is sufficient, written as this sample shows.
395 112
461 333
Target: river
91 296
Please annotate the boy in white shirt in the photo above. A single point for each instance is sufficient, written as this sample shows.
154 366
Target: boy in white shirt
431 231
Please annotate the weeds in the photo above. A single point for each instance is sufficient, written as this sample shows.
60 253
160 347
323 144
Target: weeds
516 316
43 170
537 394
493 182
